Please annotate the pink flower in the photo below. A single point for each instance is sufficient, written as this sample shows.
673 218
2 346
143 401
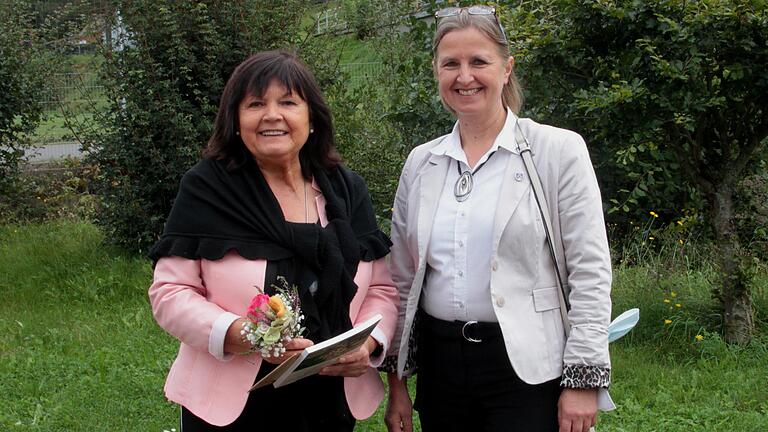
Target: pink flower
259 304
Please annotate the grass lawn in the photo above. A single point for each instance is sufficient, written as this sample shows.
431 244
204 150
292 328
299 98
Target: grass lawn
79 350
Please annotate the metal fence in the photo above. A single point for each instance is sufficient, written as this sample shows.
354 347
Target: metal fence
361 72
331 21
72 88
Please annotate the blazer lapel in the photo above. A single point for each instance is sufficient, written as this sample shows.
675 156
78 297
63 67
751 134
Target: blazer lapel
430 189
513 188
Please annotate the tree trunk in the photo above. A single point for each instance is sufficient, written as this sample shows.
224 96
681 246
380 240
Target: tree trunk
733 291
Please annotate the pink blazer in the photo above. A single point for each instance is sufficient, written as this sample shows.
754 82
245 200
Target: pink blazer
187 296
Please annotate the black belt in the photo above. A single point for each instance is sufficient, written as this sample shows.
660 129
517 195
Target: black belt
470 331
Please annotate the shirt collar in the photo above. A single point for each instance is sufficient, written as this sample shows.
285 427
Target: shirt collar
451 145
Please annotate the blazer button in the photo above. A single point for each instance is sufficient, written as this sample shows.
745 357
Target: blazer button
500 301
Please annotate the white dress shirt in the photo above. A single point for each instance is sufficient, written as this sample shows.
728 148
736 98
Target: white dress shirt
458 280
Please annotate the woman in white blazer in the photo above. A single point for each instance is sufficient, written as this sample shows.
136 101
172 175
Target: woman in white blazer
480 316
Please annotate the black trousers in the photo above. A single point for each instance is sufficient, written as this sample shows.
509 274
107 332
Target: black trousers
316 403
463 385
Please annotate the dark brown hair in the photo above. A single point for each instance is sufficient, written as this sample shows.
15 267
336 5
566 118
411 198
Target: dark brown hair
252 77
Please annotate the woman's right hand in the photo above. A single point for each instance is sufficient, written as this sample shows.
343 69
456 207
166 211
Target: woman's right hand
234 343
399 413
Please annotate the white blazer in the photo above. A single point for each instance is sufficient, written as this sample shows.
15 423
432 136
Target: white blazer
523 282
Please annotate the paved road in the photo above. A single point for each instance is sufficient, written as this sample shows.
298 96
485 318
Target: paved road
51 152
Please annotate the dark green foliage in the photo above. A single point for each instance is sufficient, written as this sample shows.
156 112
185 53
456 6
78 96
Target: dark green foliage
370 145
52 191
413 100
364 17
23 73
671 94
163 89
752 214
381 120
667 92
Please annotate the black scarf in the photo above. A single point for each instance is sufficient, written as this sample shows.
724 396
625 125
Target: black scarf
217 210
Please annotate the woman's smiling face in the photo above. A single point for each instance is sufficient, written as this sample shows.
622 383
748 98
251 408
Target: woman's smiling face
470 72
275 125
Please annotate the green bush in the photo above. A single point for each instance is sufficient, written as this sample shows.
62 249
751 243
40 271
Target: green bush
383 118
752 214
370 146
363 17
60 190
23 70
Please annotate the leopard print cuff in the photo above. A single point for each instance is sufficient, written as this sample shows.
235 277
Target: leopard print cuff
389 365
390 362
585 376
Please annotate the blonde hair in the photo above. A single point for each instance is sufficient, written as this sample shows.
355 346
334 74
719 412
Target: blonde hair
512 92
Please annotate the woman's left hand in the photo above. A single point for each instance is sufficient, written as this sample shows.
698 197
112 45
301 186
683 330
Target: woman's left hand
354 363
577 410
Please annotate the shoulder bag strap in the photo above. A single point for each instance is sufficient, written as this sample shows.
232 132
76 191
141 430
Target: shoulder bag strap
538 192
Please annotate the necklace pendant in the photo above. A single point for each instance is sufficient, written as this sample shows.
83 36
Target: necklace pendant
463 186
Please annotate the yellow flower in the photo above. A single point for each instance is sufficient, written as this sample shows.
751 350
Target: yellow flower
651 238
699 338
654 214
680 223
666 300
277 306
678 305
680 241
667 321
673 294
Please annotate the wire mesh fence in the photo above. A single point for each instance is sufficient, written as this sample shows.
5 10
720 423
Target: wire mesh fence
72 88
360 73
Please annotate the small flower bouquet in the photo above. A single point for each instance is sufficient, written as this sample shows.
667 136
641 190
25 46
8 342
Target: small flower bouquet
273 321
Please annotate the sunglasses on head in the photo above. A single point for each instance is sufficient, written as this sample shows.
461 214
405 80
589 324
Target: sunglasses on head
472 10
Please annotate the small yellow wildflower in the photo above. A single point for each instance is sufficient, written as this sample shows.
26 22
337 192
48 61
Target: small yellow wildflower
678 305
699 338
667 321
680 241
653 213
680 223
651 238
666 300
673 294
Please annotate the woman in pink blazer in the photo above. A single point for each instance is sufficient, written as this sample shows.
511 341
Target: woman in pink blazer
270 199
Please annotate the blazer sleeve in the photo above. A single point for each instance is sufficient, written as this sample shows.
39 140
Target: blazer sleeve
586 361
402 264
179 305
381 297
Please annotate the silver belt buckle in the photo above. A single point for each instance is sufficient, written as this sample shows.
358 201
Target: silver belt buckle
464 332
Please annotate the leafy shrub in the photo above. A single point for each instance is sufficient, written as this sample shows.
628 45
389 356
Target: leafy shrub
363 17
23 71
370 146
752 214
379 121
60 190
